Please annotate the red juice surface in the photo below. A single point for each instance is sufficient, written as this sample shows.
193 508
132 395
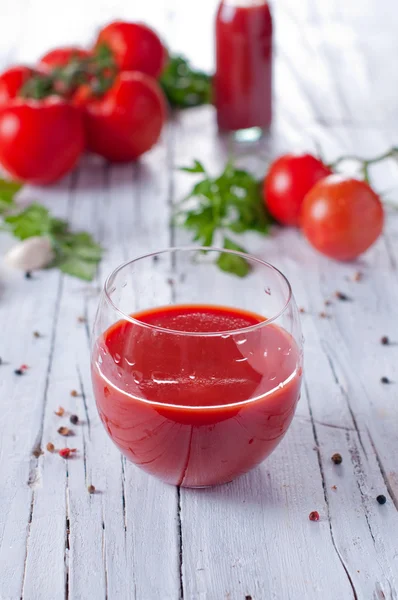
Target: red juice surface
196 410
243 81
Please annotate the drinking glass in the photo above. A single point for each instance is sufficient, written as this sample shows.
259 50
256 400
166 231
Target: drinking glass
196 371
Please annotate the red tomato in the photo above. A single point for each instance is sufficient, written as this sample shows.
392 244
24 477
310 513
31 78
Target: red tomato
60 57
342 217
288 180
127 120
40 141
135 47
11 82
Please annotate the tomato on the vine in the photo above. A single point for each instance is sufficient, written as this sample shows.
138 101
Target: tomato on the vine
342 217
11 82
134 47
127 120
60 57
289 179
40 141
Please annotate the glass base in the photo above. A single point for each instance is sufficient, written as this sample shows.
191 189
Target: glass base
204 487
251 134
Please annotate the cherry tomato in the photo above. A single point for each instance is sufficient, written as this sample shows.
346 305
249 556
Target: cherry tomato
40 141
60 57
135 47
288 180
342 217
127 120
11 82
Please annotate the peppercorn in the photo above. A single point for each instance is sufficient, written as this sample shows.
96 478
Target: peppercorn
66 452
302 310
81 319
65 431
91 489
37 452
337 458
28 275
343 297
50 447
385 380
385 340
74 419
74 393
381 499
18 372
358 276
314 515
36 334
60 411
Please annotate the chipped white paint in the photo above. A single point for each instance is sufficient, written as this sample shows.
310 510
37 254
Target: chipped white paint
137 538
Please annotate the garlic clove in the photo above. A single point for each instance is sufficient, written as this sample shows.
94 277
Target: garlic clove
31 254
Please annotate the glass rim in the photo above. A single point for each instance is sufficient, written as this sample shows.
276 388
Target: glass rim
126 317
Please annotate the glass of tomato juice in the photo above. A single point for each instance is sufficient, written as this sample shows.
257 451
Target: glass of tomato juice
196 372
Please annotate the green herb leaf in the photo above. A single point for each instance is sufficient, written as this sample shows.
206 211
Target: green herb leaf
76 253
80 245
196 168
232 201
185 86
8 190
231 263
33 220
82 269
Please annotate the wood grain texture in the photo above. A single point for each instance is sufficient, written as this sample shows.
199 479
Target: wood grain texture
136 538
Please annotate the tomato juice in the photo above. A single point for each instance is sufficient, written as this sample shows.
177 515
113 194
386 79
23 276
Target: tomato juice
193 394
243 80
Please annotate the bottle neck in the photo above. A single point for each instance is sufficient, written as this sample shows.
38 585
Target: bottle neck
244 3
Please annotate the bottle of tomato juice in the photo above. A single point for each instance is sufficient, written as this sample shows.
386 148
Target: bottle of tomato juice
243 79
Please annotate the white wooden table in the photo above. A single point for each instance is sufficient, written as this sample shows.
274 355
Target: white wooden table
336 86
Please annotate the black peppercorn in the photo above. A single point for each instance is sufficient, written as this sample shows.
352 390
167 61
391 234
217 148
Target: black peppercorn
337 458
74 419
341 296
18 372
385 340
28 275
385 380
381 499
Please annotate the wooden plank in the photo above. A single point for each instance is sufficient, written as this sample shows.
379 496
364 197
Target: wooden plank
24 399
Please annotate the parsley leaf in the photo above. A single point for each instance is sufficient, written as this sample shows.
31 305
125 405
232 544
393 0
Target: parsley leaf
196 168
75 253
33 220
233 202
231 263
184 86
